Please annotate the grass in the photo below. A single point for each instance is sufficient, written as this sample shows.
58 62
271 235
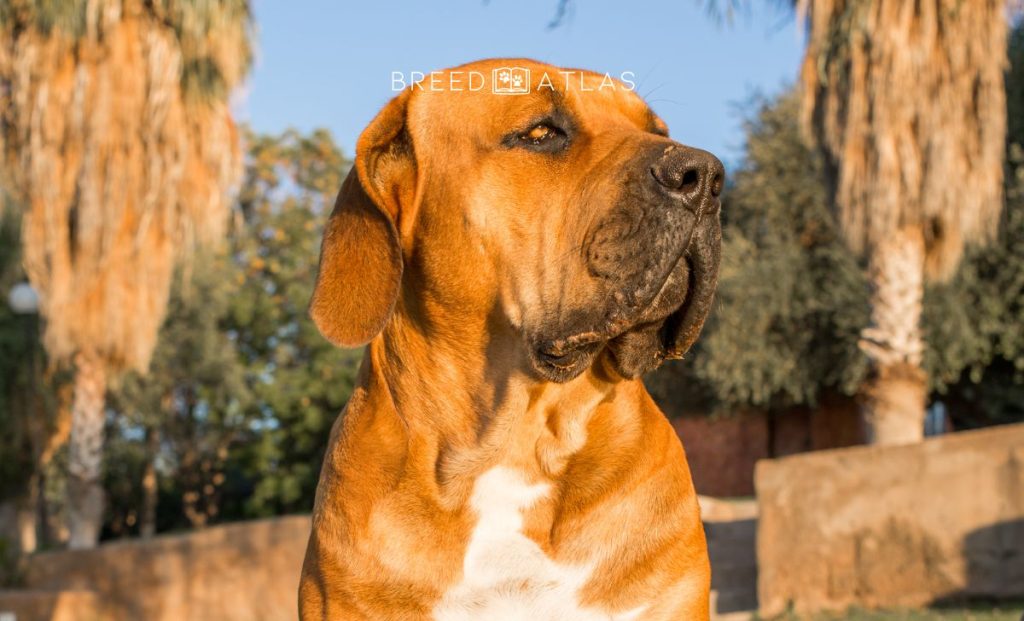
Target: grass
1004 612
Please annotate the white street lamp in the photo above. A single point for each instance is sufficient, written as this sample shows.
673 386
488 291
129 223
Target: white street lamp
23 299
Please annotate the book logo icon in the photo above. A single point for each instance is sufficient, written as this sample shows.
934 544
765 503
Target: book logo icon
510 81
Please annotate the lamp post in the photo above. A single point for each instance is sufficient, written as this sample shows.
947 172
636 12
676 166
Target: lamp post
24 301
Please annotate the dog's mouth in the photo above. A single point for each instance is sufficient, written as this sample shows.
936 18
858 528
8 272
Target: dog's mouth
665 329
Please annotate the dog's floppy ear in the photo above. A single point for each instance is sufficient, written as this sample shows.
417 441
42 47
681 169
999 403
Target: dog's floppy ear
361 257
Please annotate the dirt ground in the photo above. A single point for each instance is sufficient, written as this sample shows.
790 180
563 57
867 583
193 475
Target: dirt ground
974 613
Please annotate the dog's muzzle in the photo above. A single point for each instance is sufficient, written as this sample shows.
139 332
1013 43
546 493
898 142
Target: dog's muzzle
659 254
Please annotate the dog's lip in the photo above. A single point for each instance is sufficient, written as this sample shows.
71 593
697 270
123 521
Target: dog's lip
564 363
672 324
562 351
560 361
566 346
667 322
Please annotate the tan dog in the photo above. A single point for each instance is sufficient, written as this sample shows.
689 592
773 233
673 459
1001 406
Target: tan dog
515 263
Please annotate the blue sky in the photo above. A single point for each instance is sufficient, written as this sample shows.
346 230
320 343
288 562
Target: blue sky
323 63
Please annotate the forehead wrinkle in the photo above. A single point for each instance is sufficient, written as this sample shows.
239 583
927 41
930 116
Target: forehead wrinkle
612 107
556 96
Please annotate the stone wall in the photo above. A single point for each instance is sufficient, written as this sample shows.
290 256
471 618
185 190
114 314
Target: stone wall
50 606
893 526
243 572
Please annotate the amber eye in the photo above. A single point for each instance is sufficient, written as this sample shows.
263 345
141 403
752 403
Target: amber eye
542 137
540 132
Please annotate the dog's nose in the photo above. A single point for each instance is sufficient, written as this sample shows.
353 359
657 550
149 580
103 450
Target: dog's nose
692 175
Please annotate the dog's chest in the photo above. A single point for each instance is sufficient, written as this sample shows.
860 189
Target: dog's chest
506 575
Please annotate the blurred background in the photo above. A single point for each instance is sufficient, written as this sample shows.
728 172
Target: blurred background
166 167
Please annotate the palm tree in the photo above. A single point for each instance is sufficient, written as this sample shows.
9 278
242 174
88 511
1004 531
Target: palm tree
906 101
117 139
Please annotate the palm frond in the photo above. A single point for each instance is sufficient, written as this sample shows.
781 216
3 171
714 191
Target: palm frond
120 154
907 101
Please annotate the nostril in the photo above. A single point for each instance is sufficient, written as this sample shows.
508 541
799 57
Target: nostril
691 179
717 183
694 174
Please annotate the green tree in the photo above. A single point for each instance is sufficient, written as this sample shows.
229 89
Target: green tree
304 381
243 390
189 410
791 301
791 297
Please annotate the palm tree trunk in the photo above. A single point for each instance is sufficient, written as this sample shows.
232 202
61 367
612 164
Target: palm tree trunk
147 527
85 451
893 398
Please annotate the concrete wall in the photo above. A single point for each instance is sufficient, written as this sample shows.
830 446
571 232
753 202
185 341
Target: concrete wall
250 572
244 572
50 606
893 526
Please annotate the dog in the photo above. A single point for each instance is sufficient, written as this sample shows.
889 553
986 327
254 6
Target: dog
515 261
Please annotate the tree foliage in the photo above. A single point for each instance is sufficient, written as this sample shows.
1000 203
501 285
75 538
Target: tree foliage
791 292
242 389
904 98
790 299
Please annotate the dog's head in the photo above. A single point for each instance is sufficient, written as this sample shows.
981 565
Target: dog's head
554 196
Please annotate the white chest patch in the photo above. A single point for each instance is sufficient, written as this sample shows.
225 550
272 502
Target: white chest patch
506 575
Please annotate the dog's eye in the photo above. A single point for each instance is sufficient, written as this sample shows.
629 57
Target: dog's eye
545 136
539 133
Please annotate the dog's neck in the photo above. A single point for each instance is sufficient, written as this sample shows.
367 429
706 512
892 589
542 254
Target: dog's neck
466 397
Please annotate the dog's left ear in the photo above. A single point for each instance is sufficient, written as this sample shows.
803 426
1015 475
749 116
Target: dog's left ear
361 255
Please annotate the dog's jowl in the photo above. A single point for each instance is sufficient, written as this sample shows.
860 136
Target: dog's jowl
514 256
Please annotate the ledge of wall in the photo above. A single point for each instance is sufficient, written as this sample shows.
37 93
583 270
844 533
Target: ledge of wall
245 572
893 526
